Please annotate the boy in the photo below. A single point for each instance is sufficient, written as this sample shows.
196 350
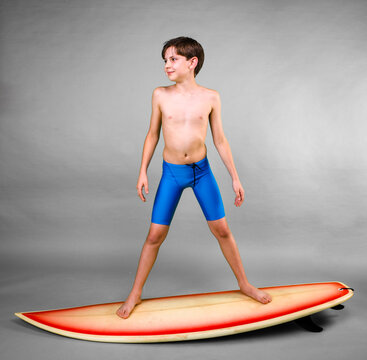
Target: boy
183 111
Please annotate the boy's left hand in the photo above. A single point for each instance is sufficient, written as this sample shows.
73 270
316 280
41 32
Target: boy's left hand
240 193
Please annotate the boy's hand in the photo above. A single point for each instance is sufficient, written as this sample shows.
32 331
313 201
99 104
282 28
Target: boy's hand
142 182
240 193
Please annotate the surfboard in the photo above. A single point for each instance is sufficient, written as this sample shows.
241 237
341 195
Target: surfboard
190 317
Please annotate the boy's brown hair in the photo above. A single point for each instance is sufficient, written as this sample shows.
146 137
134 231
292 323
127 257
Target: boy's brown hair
187 47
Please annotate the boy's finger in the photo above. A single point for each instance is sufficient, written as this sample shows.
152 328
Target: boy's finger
242 195
239 198
140 193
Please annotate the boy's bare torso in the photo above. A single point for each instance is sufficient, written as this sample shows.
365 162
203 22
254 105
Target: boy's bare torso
185 120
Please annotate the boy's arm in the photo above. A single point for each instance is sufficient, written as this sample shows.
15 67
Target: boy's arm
223 147
150 144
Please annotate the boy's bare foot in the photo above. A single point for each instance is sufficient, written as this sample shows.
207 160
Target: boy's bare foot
126 308
256 293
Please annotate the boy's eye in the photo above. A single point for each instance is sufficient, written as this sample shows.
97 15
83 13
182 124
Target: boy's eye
172 59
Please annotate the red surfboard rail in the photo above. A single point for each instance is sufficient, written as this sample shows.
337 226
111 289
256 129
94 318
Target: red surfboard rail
194 316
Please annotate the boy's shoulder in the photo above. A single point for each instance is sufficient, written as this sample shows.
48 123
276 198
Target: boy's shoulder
159 91
201 89
161 88
209 92
212 93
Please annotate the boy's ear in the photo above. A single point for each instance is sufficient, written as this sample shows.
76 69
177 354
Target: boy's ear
193 62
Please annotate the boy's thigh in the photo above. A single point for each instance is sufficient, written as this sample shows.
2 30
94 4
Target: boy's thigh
208 195
165 202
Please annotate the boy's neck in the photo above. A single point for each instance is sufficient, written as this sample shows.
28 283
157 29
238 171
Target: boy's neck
186 86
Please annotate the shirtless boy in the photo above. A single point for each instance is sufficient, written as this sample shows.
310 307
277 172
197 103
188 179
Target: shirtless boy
183 111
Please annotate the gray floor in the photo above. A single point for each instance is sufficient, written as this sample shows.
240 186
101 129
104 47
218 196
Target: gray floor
39 284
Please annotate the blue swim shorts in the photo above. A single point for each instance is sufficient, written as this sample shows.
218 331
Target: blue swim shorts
175 178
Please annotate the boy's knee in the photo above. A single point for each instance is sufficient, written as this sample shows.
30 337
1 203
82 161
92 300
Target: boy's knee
155 238
222 230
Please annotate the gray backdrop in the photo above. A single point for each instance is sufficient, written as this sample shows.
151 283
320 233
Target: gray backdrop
76 84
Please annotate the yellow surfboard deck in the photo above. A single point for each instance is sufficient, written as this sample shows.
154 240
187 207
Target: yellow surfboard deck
190 317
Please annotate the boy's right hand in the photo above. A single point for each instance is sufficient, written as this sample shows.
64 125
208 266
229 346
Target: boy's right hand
142 182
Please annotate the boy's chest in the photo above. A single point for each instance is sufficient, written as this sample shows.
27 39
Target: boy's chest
189 110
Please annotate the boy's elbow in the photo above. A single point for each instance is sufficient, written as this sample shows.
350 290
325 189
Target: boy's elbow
219 141
153 136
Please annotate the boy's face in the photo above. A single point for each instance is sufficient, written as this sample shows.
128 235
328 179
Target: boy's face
177 67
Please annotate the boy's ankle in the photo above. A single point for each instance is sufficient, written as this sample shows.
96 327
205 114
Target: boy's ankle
243 284
135 293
